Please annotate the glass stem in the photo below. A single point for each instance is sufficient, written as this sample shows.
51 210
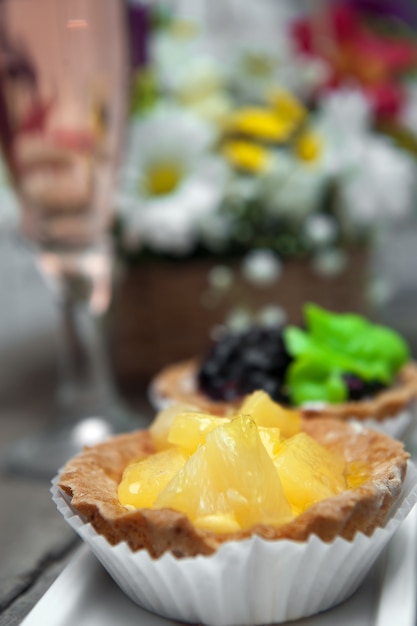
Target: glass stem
85 375
82 283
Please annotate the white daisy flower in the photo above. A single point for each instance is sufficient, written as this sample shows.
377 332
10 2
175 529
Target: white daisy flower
293 188
221 277
212 44
329 262
320 230
261 267
272 316
192 78
375 179
346 109
170 182
382 188
239 319
344 120
266 59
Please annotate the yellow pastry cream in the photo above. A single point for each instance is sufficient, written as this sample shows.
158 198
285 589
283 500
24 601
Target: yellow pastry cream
225 474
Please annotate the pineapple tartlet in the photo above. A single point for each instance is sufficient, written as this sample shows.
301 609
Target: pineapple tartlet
183 510
340 366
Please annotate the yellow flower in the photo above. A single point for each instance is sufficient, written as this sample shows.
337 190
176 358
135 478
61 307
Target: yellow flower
308 146
260 123
288 107
246 156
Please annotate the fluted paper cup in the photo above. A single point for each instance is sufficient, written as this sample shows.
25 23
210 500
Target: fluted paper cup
244 583
397 425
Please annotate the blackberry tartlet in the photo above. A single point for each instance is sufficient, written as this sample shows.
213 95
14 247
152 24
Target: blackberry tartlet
339 365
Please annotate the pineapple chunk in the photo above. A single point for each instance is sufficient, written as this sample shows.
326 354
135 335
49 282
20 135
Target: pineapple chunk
357 473
271 438
218 523
189 430
142 481
230 475
162 423
265 412
308 471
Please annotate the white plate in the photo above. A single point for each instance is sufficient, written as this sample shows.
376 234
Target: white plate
85 595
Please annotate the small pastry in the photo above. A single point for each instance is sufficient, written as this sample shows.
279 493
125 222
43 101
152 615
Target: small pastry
180 510
340 366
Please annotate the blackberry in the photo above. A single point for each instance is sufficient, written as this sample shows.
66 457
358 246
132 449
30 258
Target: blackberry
358 389
242 362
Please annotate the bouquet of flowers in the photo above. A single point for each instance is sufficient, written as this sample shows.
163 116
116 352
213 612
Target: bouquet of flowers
239 140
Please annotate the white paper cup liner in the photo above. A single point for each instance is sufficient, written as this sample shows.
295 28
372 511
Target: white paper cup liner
396 426
244 583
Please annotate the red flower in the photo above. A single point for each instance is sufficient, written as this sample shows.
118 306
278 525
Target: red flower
357 54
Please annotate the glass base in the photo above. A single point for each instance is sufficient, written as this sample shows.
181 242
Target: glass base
41 455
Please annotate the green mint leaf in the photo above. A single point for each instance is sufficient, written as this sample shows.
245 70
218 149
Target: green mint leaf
310 380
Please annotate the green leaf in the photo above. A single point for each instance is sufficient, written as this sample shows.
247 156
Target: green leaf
332 329
310 380
334 344
360 347
297 341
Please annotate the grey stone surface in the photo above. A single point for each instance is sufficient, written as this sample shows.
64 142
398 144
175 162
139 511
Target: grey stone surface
17 610
32 532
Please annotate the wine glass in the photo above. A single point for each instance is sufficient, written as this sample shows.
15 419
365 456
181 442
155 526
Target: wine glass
63 96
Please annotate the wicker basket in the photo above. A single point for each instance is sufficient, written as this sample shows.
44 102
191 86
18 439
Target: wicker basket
162 312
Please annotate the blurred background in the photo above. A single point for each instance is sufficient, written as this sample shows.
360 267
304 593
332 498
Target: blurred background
270 159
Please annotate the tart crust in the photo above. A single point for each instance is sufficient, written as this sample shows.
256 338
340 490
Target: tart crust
91 479
177 383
